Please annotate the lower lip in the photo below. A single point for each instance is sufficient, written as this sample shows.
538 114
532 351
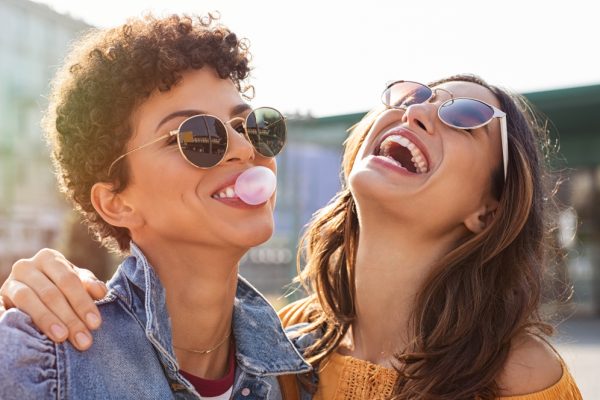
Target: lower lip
390 165
238 203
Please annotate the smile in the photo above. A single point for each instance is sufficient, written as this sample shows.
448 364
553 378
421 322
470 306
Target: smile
402 151
225 193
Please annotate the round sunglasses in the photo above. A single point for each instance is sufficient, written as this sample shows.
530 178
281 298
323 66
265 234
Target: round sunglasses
203 140
457 112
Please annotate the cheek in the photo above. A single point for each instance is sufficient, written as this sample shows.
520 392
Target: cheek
464 157
362 151
167 176
270 163
273 200
474 183
360 155
147 178
469 178
466 175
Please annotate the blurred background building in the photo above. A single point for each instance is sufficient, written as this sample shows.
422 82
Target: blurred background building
573 123
309 177
33 41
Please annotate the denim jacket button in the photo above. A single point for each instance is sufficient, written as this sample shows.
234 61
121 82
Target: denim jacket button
245 392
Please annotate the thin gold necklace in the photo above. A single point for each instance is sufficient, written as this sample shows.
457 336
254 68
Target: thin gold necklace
205 351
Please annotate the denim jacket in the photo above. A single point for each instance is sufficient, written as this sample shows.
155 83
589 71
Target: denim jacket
132 356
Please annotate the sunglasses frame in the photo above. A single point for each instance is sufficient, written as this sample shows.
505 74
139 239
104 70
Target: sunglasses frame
176 132
497 114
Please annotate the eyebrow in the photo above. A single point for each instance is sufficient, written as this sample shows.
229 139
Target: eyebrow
235 110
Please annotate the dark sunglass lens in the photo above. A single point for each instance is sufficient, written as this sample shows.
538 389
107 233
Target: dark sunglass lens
203 140
404 94
465 113
266 130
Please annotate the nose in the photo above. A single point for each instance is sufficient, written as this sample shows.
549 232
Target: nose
240 149
420 116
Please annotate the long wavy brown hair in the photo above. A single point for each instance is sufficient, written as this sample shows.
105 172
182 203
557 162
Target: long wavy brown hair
479 297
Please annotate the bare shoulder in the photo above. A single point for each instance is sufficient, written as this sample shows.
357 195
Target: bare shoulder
532 366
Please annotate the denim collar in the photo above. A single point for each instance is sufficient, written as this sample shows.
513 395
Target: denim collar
262 347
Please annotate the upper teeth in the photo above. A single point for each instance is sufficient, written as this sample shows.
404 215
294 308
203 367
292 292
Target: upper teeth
227 192
418 158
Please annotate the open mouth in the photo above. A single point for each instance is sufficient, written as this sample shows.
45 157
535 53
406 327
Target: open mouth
403 152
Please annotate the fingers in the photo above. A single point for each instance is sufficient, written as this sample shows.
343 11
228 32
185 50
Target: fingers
49 310
64 276
24 298
57 296
60 273
95 288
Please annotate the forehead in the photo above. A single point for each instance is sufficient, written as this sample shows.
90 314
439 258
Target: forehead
470 89
201 91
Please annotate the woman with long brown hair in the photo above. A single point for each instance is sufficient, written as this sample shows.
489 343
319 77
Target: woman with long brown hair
425 272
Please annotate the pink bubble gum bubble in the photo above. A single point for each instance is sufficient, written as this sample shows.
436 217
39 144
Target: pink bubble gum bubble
255 185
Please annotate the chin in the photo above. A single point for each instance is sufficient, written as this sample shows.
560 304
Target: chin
376 197
256 236
253 232
364 184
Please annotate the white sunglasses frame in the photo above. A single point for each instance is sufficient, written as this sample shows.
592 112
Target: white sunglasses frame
497 114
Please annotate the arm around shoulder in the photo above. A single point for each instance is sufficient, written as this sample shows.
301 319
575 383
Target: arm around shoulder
28 361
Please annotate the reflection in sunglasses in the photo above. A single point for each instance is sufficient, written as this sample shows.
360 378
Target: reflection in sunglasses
457 112
203 141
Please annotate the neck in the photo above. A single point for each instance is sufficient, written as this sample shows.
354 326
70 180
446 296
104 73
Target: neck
200 285
388 277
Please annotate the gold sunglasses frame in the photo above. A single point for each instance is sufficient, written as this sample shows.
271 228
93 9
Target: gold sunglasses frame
225 124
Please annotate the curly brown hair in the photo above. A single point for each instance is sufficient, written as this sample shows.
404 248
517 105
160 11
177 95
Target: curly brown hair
106 76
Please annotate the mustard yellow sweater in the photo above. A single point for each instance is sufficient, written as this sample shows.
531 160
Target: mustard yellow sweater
348 378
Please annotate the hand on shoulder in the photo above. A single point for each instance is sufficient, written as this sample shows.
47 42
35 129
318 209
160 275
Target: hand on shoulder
531 367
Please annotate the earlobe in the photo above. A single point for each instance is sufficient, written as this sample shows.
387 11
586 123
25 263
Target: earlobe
481 218
113 207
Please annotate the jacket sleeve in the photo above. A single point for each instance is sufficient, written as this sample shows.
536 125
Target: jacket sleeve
28 360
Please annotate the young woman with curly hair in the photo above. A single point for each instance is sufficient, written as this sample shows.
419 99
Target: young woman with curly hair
149 131
424 273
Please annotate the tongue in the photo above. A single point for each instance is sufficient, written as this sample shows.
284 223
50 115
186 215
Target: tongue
401 155
255 185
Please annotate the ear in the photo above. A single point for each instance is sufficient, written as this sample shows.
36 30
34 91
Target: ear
113 207
477 221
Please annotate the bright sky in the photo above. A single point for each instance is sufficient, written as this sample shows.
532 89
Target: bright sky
333 57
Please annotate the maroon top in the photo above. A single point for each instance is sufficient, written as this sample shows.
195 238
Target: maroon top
210 387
